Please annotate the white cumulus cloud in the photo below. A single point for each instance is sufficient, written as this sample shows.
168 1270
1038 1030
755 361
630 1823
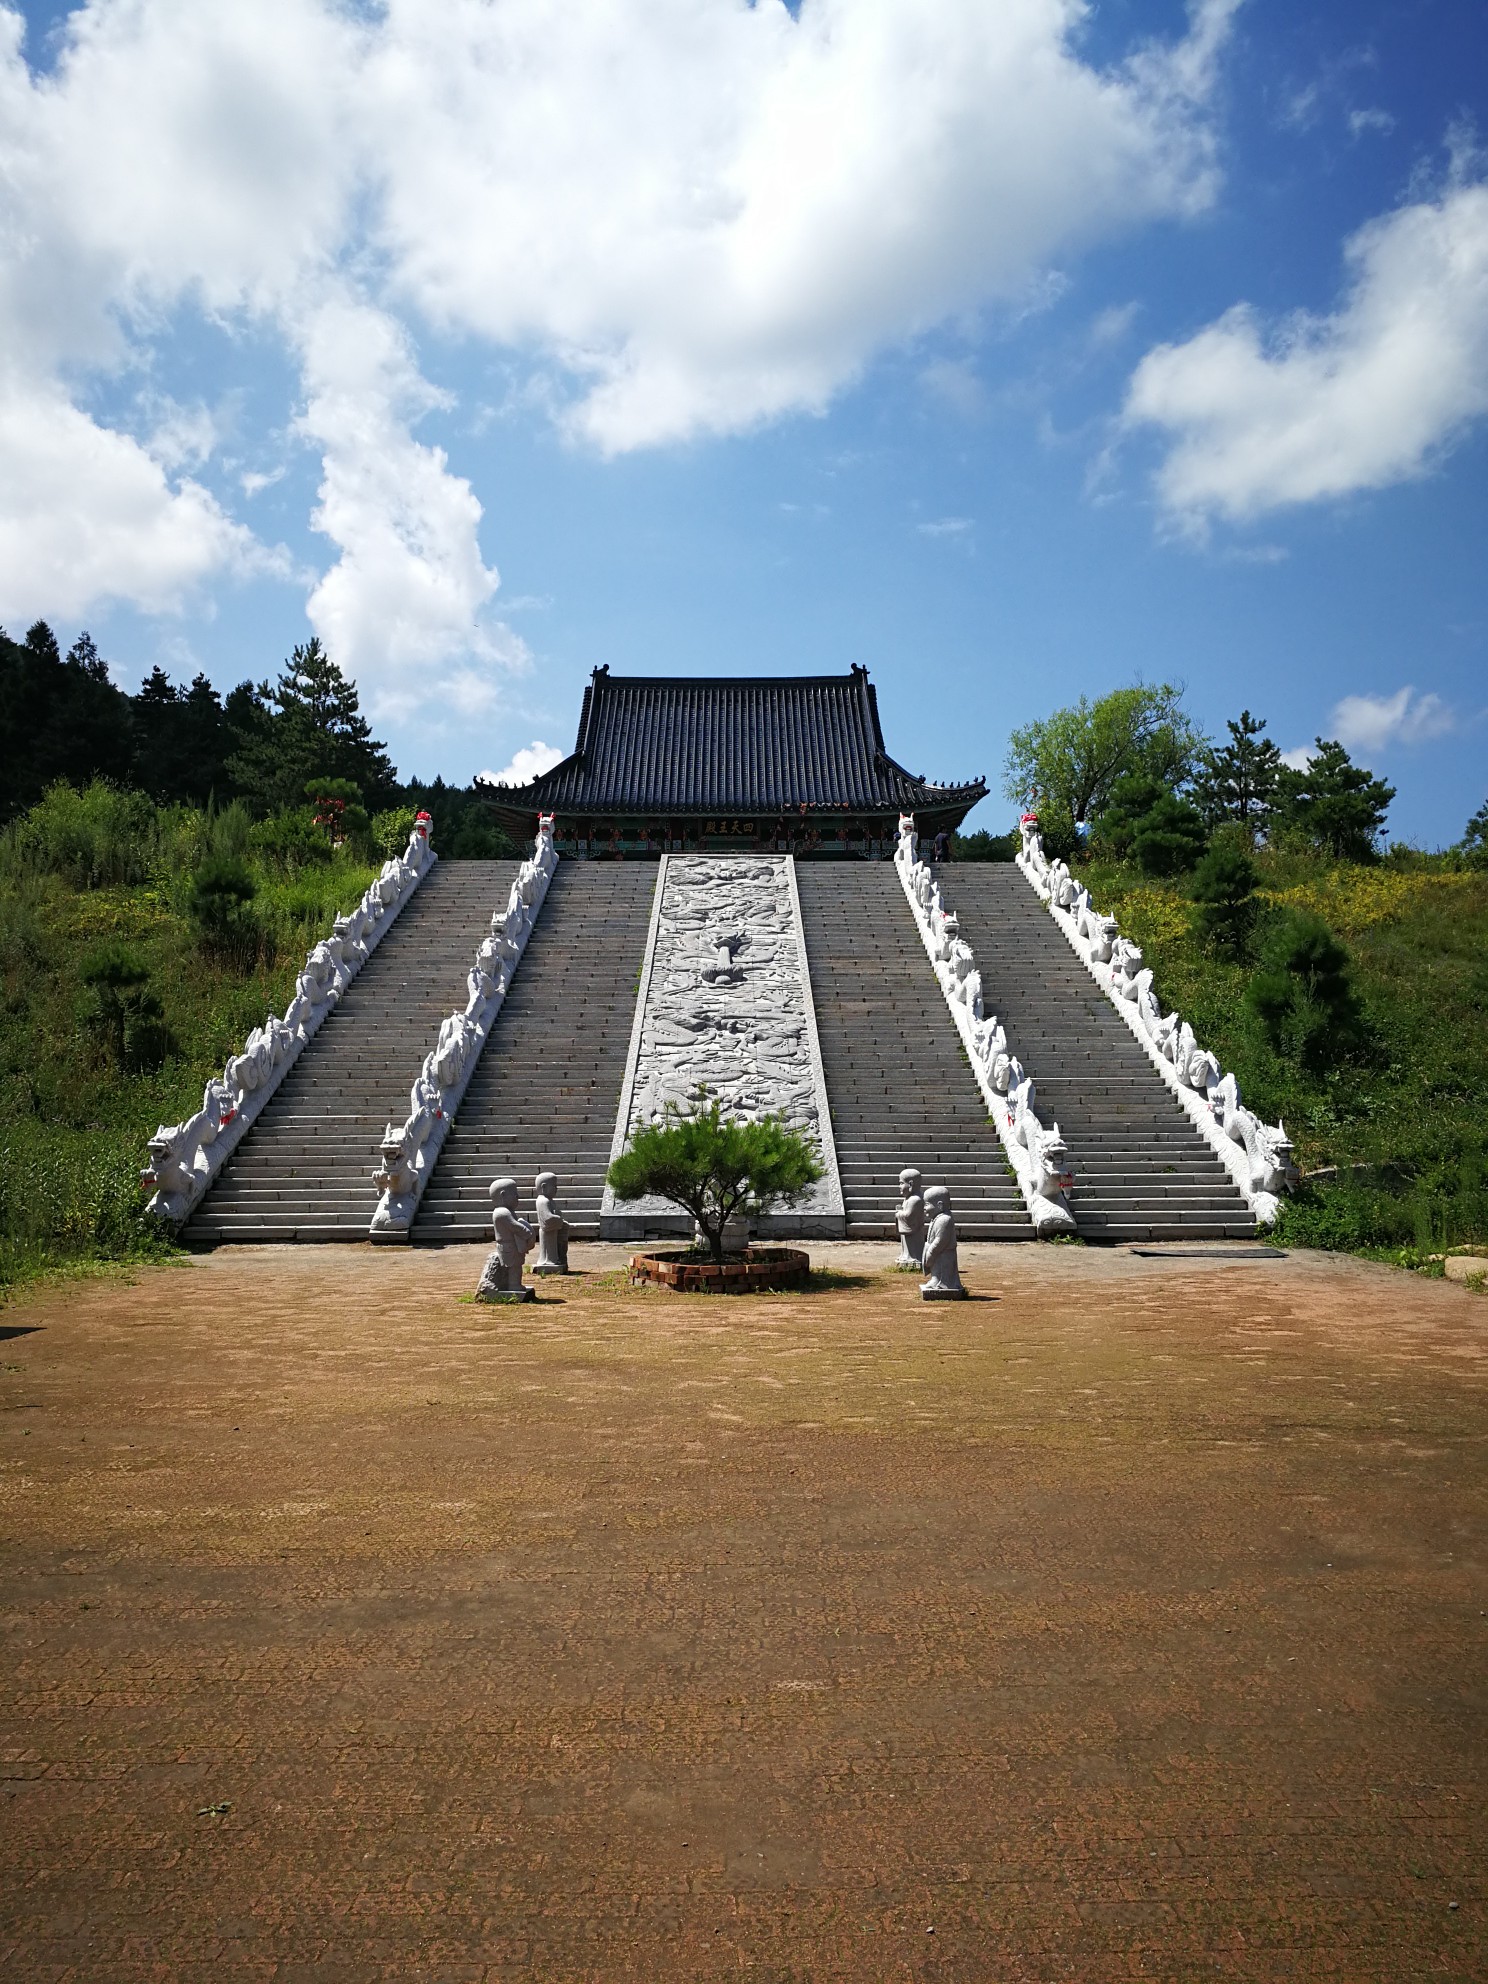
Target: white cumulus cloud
529 763
409 590
1324 406
1370 723
681 217
86 513
715 214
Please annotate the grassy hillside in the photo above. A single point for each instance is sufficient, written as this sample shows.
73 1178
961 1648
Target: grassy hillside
107 876
98 876
1404 1119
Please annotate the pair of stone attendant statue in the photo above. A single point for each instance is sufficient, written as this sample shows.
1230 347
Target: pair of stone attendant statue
501 1279
927 1238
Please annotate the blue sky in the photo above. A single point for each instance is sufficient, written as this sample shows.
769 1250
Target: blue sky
1011 348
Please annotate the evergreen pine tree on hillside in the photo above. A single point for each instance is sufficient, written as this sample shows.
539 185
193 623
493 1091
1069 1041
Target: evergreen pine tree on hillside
313 728
1238 780
59 719
1333 804
183 739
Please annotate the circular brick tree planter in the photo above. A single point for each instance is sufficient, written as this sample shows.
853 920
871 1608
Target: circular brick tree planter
758 1269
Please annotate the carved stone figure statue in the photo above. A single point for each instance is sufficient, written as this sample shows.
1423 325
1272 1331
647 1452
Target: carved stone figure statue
552 1227
942 1271
724 970
909 1217
501 1278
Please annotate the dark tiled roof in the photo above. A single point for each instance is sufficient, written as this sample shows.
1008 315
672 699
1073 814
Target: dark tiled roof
701 744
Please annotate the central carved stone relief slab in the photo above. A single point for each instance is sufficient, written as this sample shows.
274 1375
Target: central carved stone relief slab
725 1001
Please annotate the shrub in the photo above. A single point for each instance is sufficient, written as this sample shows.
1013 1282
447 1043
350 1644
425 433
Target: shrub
478 838
1304 994
1224 896
229 832
93 838
1169 838
122 1011
220 908
114 976
67 1193
1132 799
390 831
715 1167
338 808
292 841
984 846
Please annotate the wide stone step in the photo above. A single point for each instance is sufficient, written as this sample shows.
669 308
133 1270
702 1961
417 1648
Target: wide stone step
1140 1166
546 1091
899 1086
319 1133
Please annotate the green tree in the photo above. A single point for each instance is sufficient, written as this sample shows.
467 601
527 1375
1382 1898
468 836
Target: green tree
1304 994
390 831
1131 799
463 827
59 719
309 726
182 741
1475 837
984 845
1223 891
1332 804
715 1167
337 804
1170 837
1145 821
220 906
292 841
1238 780
122 1010
1064 766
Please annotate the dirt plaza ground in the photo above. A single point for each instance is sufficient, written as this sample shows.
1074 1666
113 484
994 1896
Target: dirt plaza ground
1127 1621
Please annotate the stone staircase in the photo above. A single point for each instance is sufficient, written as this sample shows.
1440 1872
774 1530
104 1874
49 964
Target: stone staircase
546 1091
304 1171
1142 1172
898 1081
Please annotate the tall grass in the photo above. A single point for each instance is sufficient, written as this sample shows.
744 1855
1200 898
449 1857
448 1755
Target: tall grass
80 873
101 837
1401 1120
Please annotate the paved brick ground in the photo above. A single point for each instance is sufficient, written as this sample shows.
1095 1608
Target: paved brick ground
1130 1625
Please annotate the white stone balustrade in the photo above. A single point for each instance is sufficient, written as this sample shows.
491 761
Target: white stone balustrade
186 1157
408 1153
1036 1154
1257 1156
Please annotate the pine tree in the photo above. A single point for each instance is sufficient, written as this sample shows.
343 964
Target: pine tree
315 730
1224 896
1169 838
1335 805
182 741
43 643
1238 780
58 719
1304 994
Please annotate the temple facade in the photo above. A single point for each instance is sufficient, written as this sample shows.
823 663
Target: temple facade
791 764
